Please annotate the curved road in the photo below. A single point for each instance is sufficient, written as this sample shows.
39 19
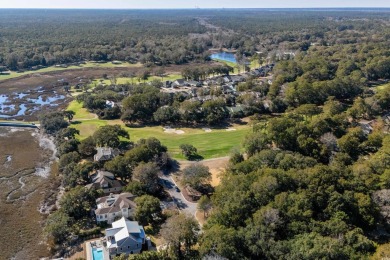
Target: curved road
177 196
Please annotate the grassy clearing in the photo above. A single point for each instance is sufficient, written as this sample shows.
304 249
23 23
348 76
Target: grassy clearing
383 87
81 113
14 74
252 65
213 144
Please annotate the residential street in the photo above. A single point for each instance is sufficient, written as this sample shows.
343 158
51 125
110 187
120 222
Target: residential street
181 202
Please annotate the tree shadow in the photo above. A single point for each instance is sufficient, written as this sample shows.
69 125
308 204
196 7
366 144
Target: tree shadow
195 157
75 122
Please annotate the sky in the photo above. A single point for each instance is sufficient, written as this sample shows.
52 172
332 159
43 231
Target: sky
157 4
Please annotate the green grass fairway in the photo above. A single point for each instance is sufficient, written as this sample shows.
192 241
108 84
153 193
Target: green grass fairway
81 113
213 144
252 65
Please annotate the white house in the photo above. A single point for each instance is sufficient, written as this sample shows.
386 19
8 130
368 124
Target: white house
125 237
115 206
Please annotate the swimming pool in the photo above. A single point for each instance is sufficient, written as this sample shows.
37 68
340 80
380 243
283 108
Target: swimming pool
97 253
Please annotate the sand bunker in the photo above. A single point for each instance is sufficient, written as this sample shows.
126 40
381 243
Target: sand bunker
231 129
207 130
170 130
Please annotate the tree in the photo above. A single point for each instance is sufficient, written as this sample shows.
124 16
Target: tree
87 147
147 175
197 176
57 226
223 241
188 150
255 142
78 202
69 114
119 166
166 114
215 111
180 230
109 135
146 255
68 158
67 146
67 133
204 204
351 142
53 122
148 210
308 110
235 156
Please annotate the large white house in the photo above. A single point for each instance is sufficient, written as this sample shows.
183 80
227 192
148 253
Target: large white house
125 237
115 206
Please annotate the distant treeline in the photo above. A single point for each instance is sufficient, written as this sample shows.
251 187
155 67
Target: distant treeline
159 37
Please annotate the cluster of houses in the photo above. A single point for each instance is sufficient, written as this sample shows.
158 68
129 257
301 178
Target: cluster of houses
231 80
227 83
115 208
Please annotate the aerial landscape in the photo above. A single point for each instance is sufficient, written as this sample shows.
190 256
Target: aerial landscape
194 130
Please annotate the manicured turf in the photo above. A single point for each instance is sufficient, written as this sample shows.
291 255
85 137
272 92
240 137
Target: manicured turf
81 113
213 144
252 65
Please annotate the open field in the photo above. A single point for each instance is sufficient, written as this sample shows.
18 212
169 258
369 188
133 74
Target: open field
24 178
81 113
252 65
216 143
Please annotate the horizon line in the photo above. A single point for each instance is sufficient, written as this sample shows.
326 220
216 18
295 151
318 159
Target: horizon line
191 8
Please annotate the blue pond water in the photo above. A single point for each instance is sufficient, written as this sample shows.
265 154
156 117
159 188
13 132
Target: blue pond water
97 254
226 56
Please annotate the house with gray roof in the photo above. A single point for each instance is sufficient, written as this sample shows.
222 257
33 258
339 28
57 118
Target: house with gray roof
106 181
125 237
115 206
105 154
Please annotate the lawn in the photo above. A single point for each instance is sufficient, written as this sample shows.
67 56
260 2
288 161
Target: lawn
14 74
252 65
81 113
213 144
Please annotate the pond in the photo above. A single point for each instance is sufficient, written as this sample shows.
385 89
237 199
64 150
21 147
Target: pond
225 56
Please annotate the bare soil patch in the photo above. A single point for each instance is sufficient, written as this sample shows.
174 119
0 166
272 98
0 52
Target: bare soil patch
216 166
22 190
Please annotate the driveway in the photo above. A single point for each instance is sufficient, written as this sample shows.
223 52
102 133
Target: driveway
177 196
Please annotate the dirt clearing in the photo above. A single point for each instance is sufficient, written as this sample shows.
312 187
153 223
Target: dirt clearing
216 166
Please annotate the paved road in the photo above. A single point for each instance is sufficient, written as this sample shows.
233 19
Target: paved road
182 203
